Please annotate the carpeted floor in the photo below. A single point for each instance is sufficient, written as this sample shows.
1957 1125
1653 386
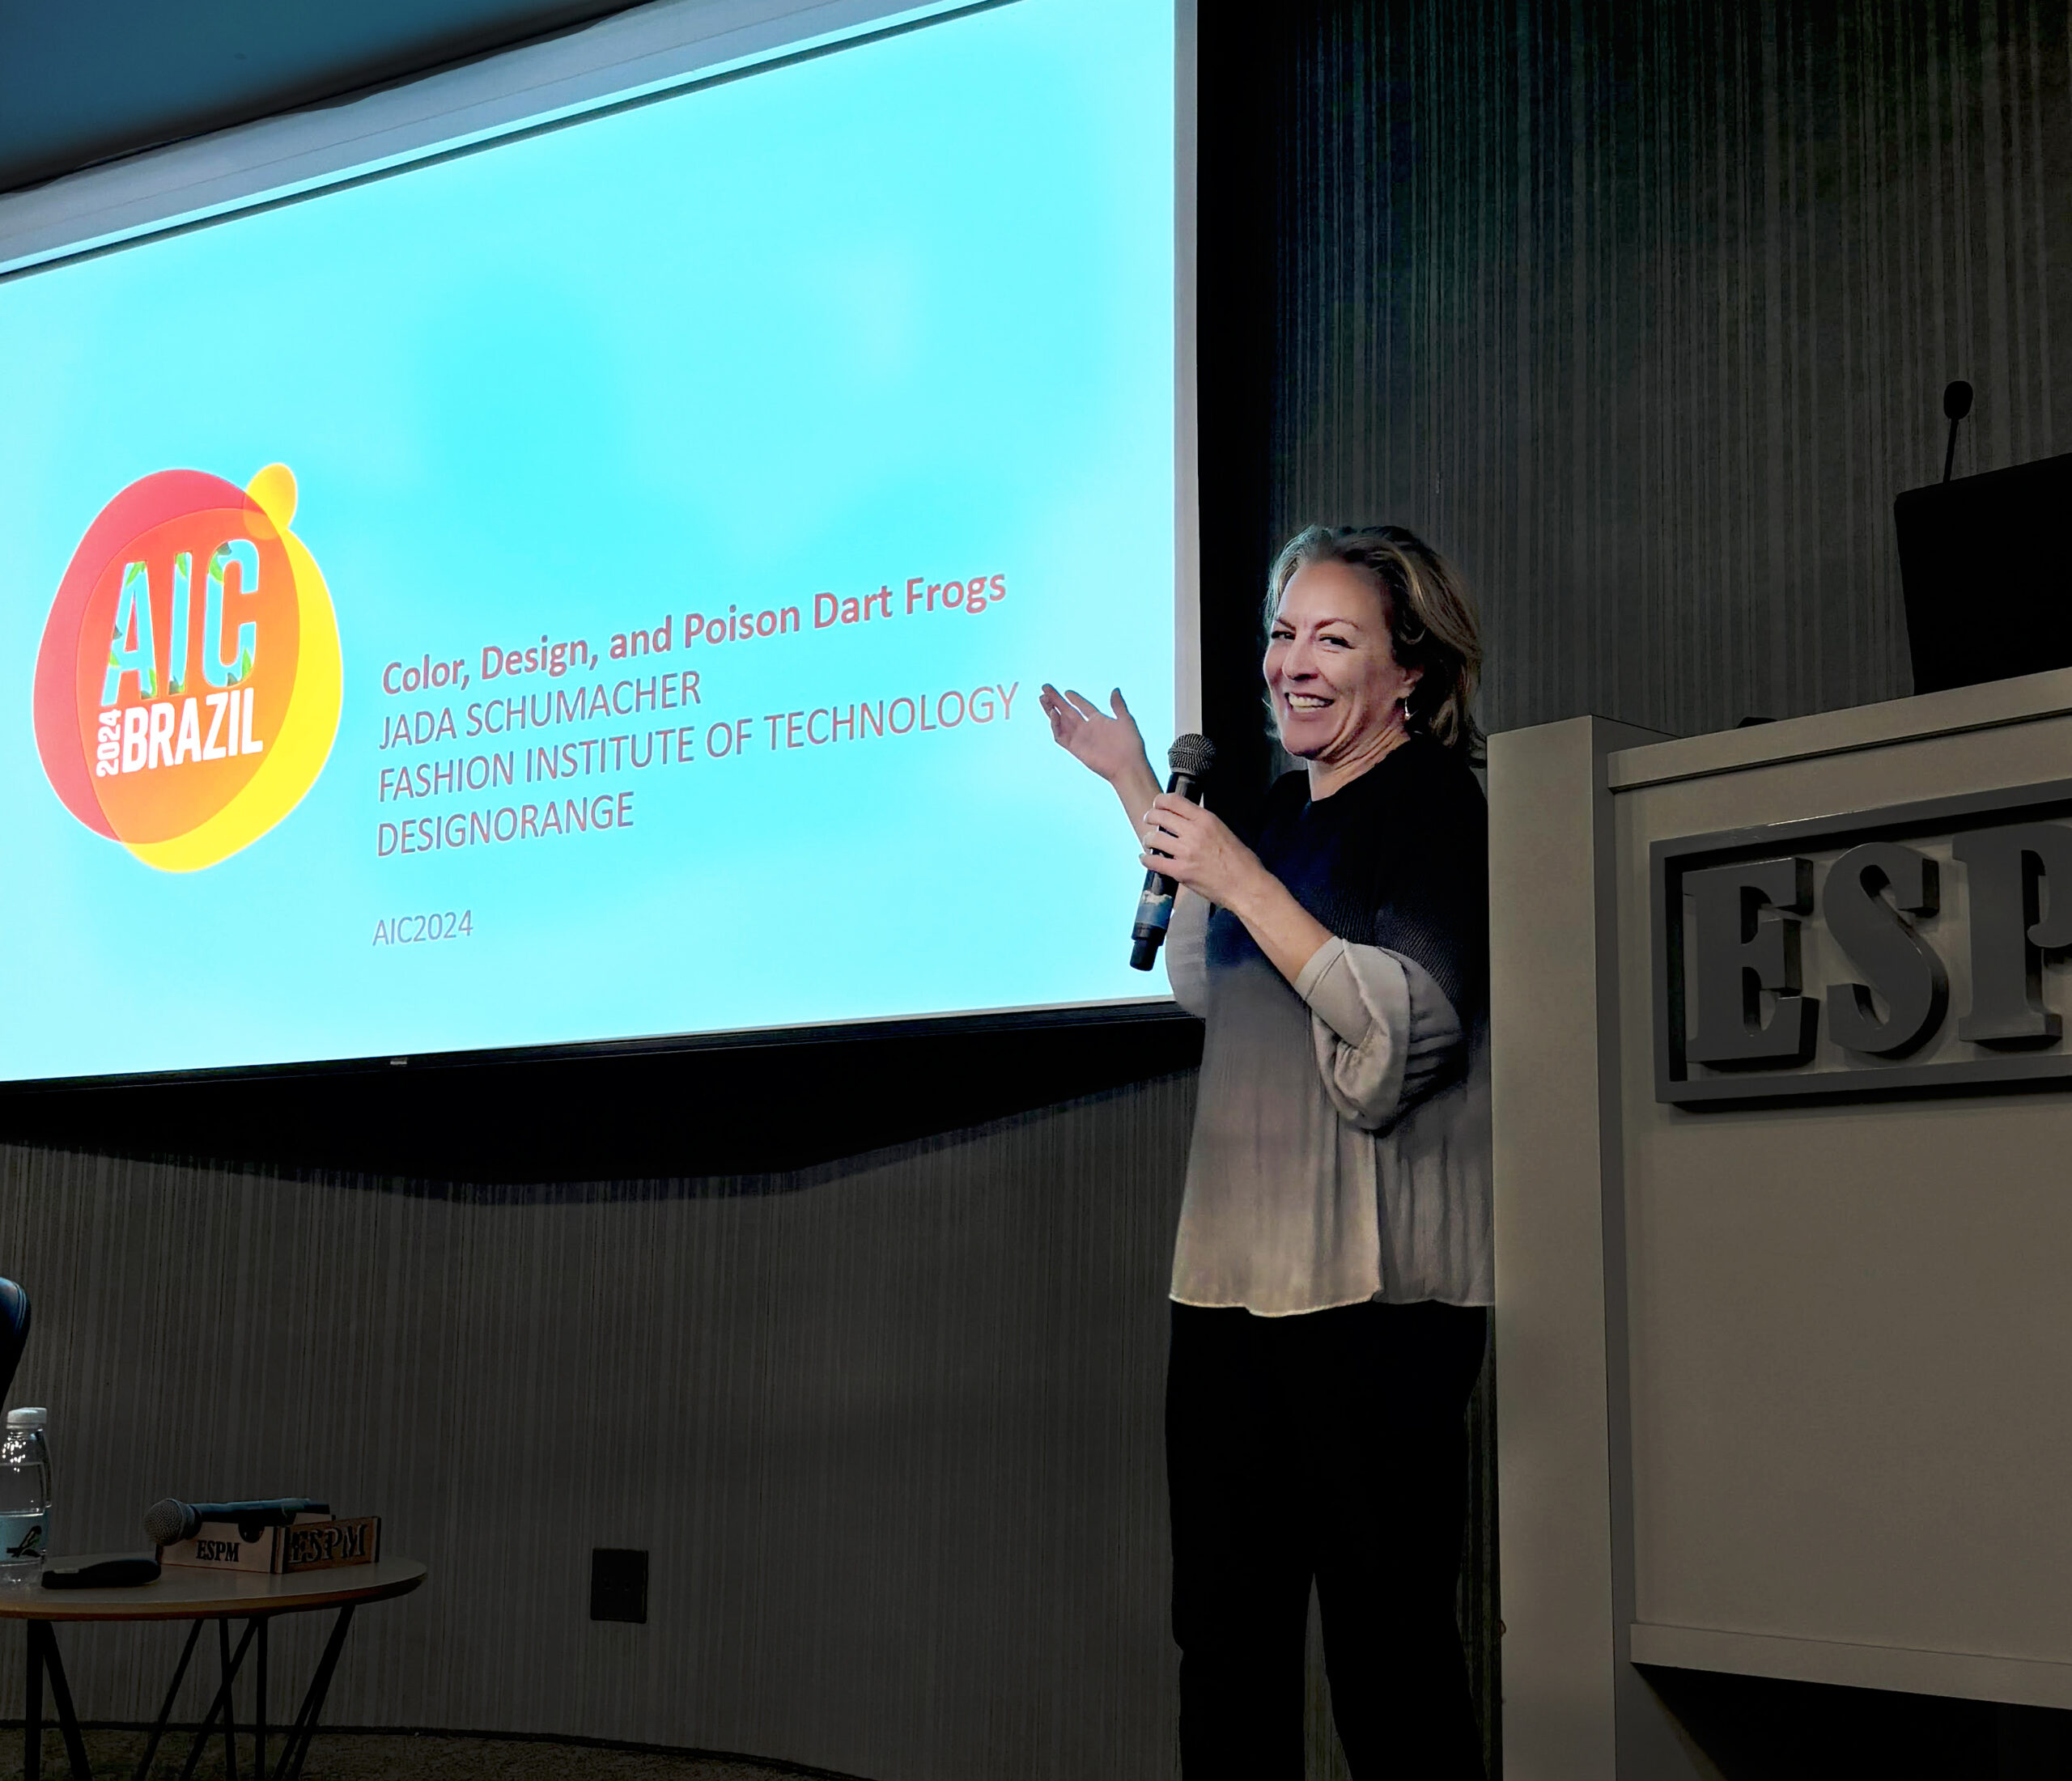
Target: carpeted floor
396 1756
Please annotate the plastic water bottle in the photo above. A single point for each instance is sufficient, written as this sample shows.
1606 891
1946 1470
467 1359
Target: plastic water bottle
24 1497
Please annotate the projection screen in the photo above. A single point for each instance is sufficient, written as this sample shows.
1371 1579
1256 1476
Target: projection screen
566 551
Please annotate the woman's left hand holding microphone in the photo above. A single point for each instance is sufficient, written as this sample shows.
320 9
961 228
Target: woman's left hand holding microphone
1195 847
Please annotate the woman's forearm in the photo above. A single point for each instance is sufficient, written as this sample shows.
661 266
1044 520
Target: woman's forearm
1136 788
1286 932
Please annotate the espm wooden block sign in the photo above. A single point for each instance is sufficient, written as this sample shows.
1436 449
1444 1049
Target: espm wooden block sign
325 1545
220 1545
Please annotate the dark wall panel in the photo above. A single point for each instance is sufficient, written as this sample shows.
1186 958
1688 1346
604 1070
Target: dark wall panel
890 1429
1644 313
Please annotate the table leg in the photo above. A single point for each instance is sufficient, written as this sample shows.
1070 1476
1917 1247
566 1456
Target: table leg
60 1694
259 1756
222 1701
295 1751
165 1711
230 1694
32 1710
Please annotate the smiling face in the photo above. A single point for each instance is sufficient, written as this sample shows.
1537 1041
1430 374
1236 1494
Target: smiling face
1331 671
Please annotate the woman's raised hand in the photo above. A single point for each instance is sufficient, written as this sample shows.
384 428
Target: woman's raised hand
1110 746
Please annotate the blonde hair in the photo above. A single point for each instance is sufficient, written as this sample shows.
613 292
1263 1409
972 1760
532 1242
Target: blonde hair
1431 619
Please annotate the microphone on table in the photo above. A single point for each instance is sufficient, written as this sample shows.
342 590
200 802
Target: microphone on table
169 1522
1189 758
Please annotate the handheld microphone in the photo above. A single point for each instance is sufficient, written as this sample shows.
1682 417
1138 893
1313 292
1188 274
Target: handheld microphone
1189 758
168 1523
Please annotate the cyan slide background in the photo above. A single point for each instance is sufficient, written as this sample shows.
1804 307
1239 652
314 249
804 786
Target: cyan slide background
902 309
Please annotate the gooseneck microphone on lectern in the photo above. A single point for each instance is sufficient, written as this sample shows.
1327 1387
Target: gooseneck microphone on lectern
1956 405
1189 758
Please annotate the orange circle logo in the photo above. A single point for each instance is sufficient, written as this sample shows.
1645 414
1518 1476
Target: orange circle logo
187 690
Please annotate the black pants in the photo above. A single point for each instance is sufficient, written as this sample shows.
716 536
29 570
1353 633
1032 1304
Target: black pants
1329 1446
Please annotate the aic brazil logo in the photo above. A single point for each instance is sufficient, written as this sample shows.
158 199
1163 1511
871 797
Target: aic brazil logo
186 691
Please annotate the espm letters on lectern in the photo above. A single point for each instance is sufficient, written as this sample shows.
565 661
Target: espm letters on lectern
1735 914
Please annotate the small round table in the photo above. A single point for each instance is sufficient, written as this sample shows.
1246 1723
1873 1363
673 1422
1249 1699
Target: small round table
187 1593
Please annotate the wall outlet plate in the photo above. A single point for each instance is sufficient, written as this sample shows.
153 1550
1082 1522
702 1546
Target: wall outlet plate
618 1584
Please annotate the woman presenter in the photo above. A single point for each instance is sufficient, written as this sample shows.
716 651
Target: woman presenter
1333 1247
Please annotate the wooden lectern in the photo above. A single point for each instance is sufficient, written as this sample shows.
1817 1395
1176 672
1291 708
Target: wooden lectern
1783 1110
